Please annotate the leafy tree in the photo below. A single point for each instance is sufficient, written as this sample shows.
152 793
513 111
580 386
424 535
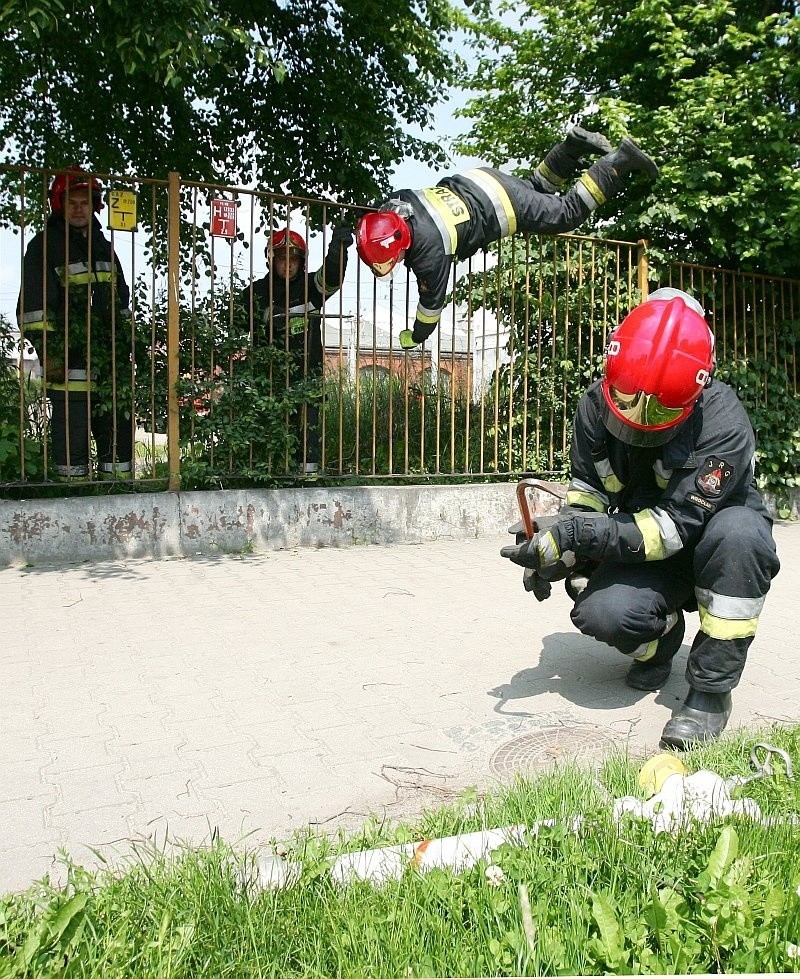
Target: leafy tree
711 89
314 95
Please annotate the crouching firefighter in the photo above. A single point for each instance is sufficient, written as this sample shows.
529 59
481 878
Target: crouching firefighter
662 515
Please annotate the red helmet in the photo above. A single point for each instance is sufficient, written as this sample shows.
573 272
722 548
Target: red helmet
382 238
658 361
74 179
286 240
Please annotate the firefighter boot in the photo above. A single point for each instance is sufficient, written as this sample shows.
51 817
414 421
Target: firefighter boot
580 142
702 718
628 157
651 673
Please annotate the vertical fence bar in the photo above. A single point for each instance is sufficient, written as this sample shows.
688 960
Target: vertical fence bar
642 269
173 330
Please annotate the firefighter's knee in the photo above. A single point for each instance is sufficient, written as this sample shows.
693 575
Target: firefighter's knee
736 554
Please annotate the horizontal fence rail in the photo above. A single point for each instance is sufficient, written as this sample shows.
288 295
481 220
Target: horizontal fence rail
170 358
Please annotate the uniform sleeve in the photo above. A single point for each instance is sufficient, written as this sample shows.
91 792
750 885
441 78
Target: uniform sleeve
328 279
433 279
723 461
39 308
585 490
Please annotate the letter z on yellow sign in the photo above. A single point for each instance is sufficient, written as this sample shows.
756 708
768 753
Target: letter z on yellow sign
122 210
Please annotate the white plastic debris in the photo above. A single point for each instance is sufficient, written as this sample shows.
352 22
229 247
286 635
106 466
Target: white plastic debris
456 852
680 799
687 798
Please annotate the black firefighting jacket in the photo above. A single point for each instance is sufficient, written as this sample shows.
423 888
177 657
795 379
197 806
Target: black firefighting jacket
293 324
73 301
653 502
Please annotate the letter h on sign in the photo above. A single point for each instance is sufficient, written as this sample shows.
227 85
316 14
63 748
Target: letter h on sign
223 218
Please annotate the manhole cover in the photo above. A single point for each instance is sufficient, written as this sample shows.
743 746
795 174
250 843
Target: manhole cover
549 746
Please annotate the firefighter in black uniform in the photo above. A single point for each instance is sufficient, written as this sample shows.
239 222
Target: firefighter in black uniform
73 308
285 306
431 229
662 515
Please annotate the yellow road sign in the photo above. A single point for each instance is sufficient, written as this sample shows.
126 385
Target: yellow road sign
122 210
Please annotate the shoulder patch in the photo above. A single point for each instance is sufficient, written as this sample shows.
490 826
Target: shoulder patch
713 476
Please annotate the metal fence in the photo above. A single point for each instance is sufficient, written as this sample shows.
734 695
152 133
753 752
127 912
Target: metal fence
210 387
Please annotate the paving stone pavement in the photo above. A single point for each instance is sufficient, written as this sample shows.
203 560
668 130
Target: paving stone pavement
250 696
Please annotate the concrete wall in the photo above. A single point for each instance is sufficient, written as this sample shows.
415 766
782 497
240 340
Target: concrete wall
182 524
157 525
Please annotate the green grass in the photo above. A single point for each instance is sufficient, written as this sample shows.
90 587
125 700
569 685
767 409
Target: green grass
600 899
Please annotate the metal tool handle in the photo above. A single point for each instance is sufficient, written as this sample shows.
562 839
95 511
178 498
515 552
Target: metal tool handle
524 503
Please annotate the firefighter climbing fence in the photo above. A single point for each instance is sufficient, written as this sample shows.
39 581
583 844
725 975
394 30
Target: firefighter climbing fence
215 386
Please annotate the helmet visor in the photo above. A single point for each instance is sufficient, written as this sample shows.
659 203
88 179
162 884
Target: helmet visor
383 268
643 410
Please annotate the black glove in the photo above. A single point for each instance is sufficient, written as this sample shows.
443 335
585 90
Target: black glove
532 553
532 581
343 234
538 583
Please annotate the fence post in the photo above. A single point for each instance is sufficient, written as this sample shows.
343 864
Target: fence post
173 329
642 268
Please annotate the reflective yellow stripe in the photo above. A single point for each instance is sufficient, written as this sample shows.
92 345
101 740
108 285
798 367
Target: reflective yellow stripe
719 628
428 316
607 476
612 484
578 498
550 176
498 195
83 278
42 326
595 193
327 288
450 211
71 386
662 474
651 534
548 550
79 273
649 651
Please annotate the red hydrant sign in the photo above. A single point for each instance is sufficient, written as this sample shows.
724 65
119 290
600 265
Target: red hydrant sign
223 218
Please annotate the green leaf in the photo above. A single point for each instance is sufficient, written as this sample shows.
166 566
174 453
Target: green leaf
724 854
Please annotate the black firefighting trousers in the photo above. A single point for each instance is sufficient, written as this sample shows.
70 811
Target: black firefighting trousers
725 577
